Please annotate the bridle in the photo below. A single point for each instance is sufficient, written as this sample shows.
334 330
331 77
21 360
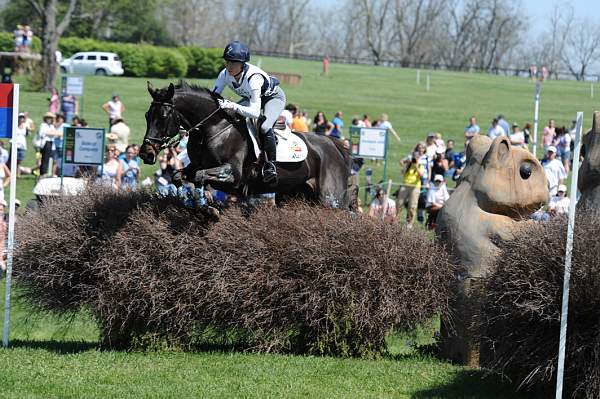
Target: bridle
166 141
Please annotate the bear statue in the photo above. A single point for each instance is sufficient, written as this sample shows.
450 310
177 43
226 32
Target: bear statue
499 188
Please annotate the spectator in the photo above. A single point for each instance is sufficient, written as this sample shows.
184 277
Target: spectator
495 130
517 138
114 108
29 122
75 121
287 115
59 129
563 145
338 125
321 125
449 153
437 195
559 204
440 163
366 120
54 101
18 38
21 141
46 134
439 141
384 123
472 129
548 134
110 173
70 107
425 161
382 207
459 161
431 146
298 122
503 125
164 176
555 171
130 169
358 122
119 135
527 133
408 194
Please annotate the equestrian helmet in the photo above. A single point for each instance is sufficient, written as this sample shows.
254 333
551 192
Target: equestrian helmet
236 51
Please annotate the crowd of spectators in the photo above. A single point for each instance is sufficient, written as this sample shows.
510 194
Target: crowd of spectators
434 161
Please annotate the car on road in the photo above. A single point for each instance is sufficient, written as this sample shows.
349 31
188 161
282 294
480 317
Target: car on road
92 63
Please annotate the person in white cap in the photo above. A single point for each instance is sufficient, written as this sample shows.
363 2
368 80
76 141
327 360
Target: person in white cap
559 204
437 195
555 170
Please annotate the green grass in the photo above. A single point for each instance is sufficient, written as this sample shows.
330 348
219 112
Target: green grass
51 357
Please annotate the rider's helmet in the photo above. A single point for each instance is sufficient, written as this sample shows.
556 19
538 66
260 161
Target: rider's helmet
236 51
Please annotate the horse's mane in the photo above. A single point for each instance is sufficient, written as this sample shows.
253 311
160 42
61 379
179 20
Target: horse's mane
184 87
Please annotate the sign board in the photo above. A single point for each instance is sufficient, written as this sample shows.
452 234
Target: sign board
73 85
84 146
368 142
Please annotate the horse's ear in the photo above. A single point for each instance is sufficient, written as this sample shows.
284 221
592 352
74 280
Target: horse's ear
170 91
151 89
499 152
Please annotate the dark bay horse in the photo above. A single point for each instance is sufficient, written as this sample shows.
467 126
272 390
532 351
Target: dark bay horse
222 155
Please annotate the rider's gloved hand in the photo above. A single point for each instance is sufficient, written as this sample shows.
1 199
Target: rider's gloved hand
226 104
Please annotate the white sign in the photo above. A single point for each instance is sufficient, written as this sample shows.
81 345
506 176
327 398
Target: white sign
75 85
88 147
372 142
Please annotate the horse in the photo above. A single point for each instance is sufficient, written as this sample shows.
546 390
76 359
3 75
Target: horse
221 152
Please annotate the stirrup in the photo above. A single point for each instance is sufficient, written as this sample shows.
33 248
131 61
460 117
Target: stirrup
269 173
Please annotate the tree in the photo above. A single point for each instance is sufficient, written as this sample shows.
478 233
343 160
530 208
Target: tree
47 10
582 48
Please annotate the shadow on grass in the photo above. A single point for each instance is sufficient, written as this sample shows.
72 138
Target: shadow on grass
60 347
475 384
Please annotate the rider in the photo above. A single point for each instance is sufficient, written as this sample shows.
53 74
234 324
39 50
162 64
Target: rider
258 90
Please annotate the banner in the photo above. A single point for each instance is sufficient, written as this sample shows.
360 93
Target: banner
6 110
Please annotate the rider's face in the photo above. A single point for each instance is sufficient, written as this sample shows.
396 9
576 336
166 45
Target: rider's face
233 67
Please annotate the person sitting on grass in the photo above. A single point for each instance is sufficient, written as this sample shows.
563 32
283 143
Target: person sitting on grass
382 207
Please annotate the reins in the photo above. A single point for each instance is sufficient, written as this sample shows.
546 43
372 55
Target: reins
176 138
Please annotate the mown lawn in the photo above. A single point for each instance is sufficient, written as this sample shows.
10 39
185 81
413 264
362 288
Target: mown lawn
59 358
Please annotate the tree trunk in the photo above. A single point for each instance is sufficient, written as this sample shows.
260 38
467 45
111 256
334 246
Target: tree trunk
50 43
51 32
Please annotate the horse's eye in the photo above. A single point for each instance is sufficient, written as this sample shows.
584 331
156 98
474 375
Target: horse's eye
525 170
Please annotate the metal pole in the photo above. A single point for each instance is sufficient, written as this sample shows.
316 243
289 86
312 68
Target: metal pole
11 215
592 90
427 85
418 76
568 255
538 89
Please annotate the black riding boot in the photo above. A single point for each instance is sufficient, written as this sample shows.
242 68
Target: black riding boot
270 149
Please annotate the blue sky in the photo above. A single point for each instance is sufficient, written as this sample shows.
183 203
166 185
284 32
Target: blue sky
540 10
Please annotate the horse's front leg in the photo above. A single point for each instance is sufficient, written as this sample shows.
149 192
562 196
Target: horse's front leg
221 174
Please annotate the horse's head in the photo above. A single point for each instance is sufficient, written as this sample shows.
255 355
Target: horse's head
162 122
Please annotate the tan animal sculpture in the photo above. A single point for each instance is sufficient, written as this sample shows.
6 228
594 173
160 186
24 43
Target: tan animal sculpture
589 172
500 186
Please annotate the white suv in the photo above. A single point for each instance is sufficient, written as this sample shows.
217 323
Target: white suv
92 63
